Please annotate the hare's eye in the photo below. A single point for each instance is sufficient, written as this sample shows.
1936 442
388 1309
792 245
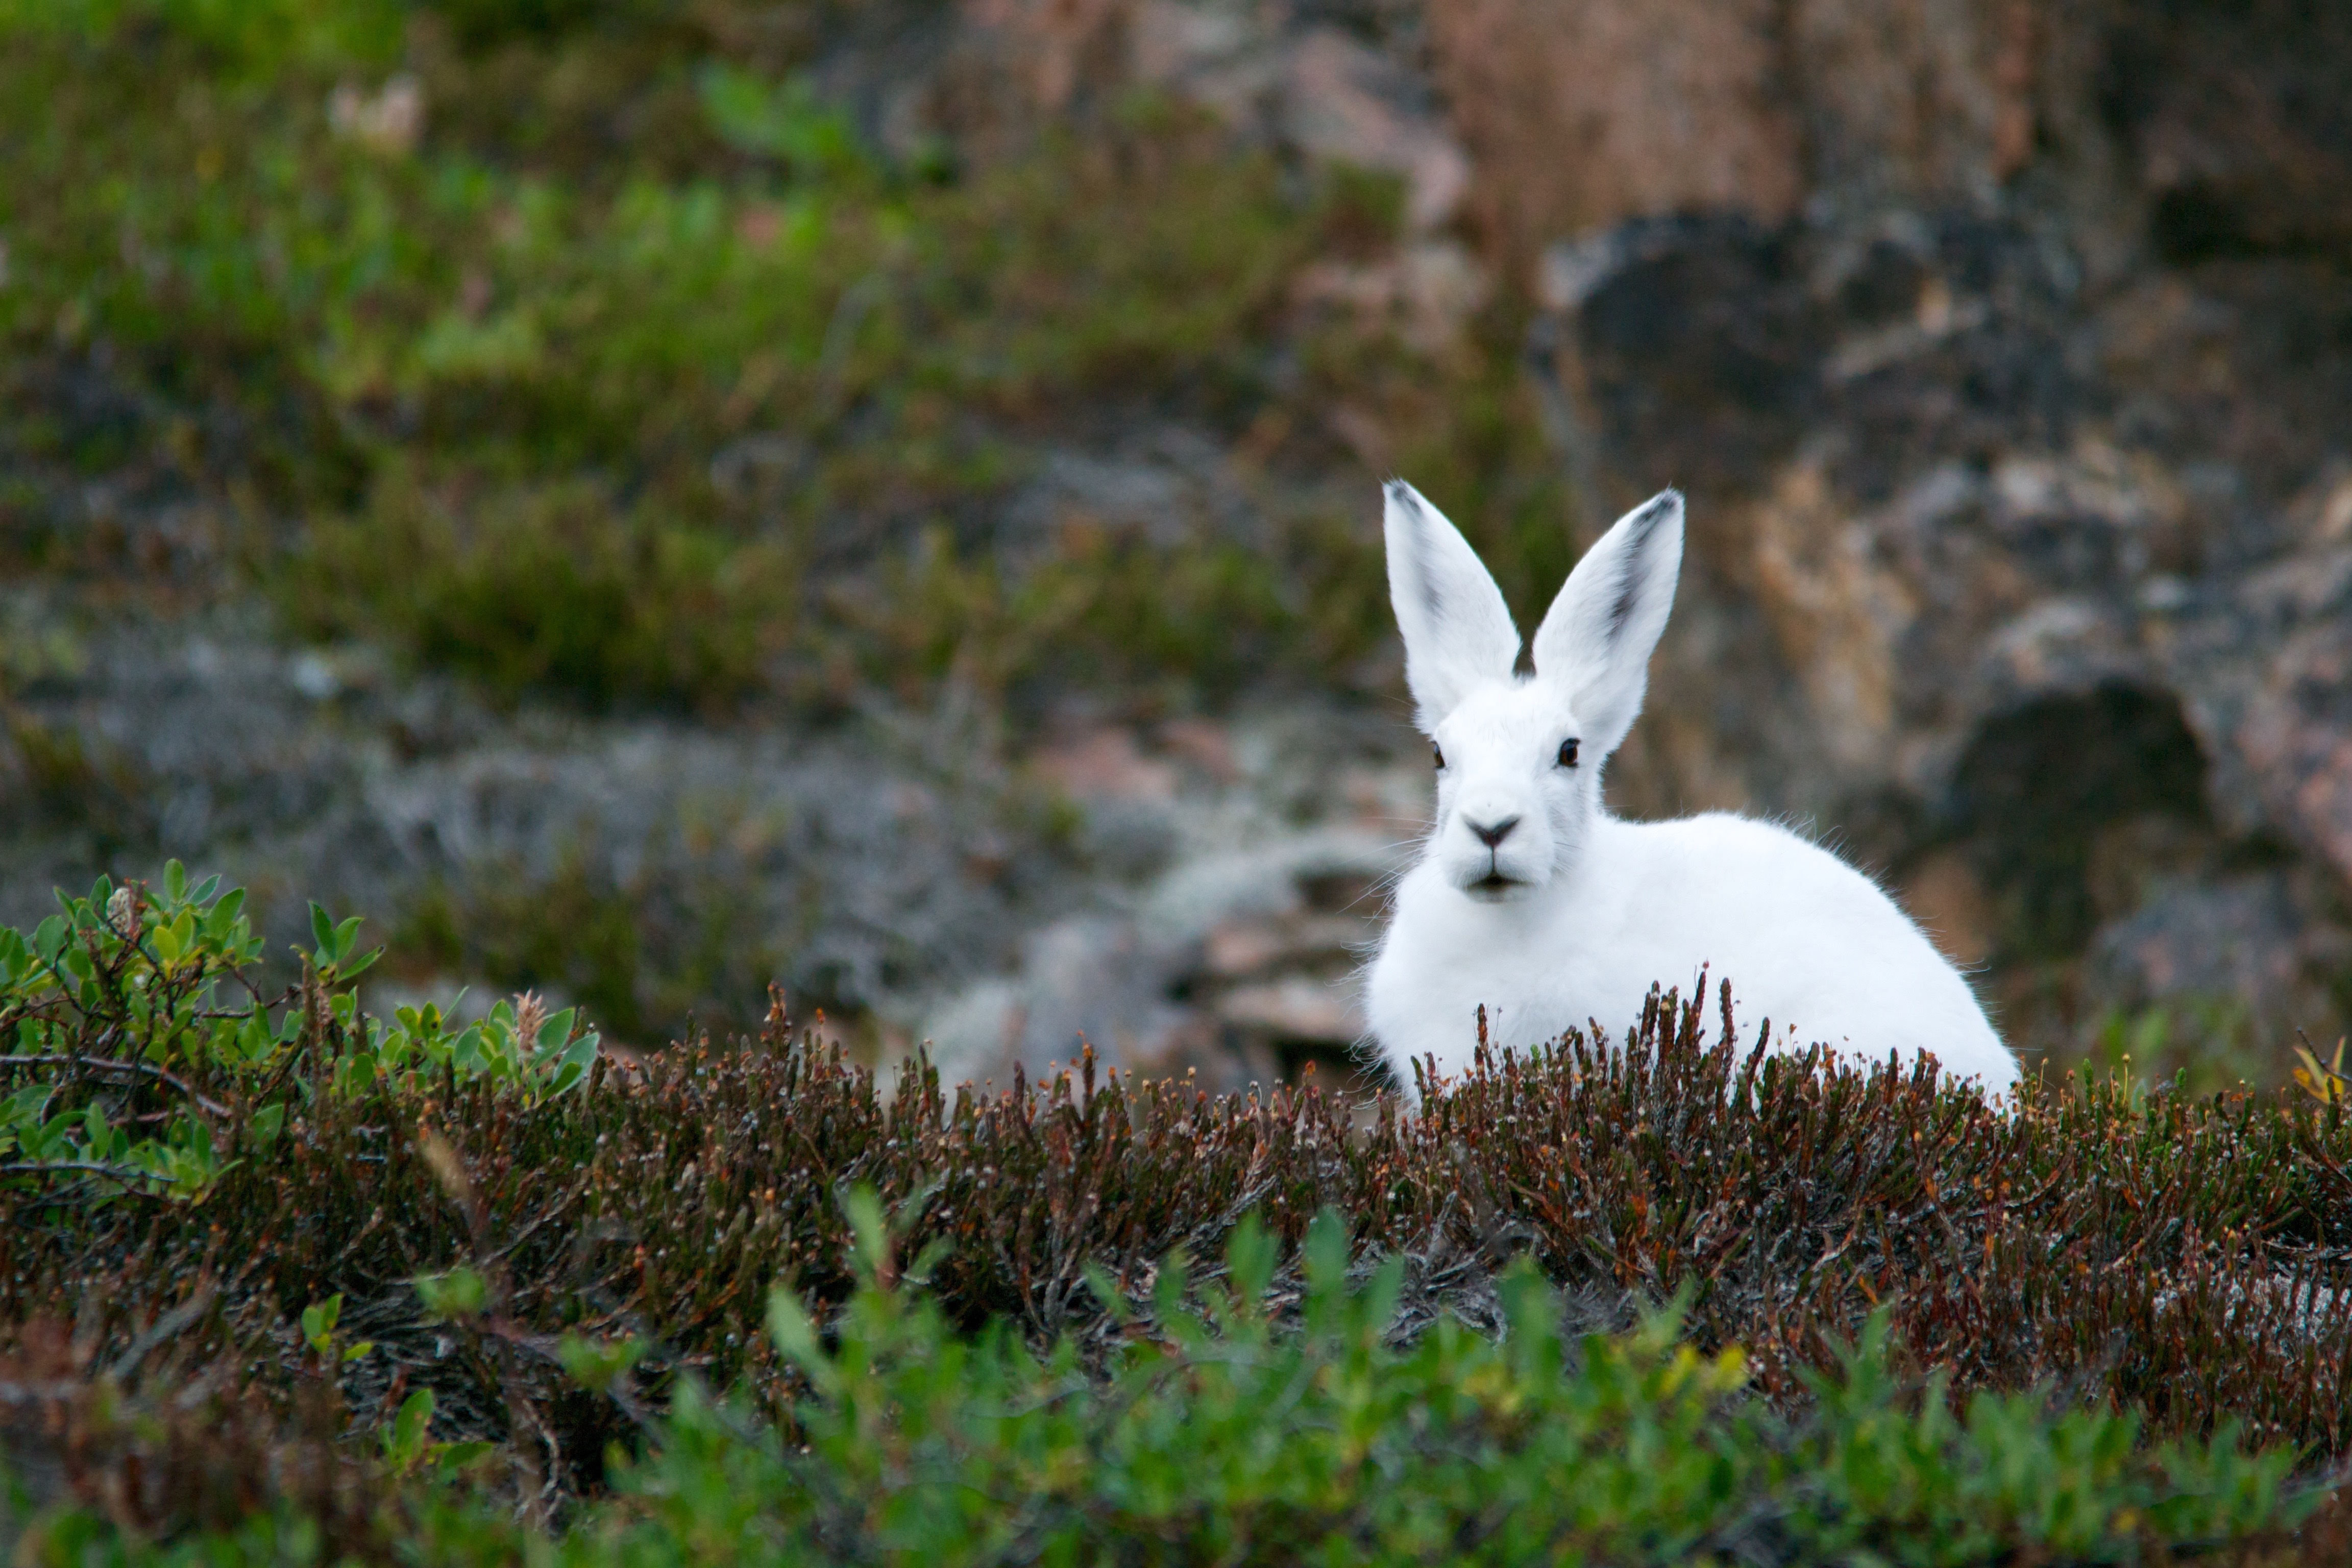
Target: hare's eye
1437 754
1568 754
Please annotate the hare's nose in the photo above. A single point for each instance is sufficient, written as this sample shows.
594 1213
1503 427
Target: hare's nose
1491 835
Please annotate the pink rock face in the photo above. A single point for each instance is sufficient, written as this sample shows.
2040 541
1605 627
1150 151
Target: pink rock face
1336 109
1319 1011
1581 113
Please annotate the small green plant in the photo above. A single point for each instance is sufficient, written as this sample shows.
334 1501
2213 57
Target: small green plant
598 1365
1231 1432
784 120
319 1321
138 1054
409 1450
456 1296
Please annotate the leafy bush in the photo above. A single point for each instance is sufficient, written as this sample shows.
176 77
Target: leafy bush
1215 1436
139 1057
1275 1423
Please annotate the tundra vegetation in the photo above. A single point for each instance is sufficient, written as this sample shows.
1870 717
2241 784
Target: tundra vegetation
439 313
282 1282
424 321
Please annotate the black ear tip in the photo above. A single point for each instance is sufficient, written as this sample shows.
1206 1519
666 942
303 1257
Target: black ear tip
1666 505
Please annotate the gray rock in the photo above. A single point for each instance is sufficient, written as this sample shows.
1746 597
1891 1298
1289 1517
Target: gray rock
1948 590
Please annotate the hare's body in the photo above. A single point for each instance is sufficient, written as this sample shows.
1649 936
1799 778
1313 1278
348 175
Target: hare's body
1559 961
1531 901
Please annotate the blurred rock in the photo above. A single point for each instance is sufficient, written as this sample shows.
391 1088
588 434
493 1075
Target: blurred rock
2296 735
1328 83
1297 1008
1945 895
1236 959
1983 563
1581 113
2243 941
1343 100
2237 118
840 865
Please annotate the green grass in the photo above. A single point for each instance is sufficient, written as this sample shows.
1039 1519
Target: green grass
638 378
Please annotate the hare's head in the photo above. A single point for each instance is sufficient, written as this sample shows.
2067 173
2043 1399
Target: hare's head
1520 756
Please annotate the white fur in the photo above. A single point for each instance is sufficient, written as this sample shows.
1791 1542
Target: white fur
1571 915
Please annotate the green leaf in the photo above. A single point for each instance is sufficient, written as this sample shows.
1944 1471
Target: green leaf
1106 1292
555 1030
1249 1264
26 1104
225 914
596 1364
404 1445
863 1207
789 1331
1326 1253
319 1319
456 1296
451 1457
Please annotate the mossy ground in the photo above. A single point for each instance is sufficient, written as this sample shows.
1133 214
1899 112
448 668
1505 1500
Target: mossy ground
631 375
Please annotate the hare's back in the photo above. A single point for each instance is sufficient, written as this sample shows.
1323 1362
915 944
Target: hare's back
1747 866
1808 941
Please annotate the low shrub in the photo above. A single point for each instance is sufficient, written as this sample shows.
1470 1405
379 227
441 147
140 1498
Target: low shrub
1272 1424
138 1058
192 1164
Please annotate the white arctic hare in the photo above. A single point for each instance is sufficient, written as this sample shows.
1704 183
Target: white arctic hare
1530 899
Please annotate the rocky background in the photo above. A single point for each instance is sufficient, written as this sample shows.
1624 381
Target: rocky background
2003 346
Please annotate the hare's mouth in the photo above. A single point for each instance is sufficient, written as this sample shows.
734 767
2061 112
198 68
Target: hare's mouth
1494 887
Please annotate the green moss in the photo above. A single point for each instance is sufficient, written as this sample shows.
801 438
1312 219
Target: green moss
2200 1044
551 588
488 391
573 932
71 784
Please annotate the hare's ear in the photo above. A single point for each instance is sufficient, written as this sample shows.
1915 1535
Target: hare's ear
1595 642
1458 630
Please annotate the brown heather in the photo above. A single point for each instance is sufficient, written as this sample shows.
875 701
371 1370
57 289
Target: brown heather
2190 1257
